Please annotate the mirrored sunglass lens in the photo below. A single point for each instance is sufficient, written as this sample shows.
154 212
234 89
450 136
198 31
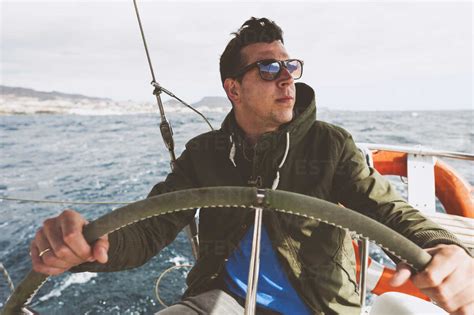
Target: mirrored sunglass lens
294 67
269 71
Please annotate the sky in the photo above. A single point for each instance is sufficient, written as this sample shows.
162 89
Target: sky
358 55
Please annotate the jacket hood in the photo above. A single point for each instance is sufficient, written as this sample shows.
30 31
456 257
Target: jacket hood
304 114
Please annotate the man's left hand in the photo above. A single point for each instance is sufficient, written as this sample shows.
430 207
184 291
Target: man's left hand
448 279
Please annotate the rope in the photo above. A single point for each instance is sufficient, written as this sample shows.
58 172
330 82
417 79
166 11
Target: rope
7 276
67 201
157 285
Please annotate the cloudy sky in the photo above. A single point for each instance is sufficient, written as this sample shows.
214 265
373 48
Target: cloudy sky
358 55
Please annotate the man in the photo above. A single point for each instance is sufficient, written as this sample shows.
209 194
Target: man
270 139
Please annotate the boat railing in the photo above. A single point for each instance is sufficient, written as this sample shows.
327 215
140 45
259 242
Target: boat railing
420 165
420 150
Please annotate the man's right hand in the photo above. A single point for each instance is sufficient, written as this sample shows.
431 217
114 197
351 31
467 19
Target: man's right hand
60 245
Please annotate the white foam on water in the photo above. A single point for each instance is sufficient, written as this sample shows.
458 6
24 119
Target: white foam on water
76 278
179 260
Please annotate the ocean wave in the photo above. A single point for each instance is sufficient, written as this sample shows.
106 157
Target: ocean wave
76 278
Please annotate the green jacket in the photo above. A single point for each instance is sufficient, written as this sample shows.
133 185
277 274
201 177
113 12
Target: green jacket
323 162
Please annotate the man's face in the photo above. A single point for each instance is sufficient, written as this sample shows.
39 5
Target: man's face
266 104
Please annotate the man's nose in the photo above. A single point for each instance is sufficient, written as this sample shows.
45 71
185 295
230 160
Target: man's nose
285 78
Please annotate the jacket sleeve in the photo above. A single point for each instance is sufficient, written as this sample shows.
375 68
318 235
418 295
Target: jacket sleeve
134 245
363 189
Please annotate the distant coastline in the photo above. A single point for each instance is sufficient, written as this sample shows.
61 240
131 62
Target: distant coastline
25 101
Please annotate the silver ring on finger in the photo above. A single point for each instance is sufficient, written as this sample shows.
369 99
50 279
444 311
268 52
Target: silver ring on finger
44 252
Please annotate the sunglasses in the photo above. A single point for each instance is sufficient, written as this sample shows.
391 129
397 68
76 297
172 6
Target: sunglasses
270 69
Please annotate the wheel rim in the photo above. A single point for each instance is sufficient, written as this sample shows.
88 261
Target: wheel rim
239 197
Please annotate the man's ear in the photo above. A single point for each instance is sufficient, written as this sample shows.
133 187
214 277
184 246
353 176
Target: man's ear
232 89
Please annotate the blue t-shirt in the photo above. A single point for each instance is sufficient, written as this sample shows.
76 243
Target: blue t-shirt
274 290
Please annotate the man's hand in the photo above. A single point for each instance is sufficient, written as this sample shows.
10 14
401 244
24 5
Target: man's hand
60 245
448 279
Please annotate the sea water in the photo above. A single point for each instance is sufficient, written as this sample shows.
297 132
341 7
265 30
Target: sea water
119 158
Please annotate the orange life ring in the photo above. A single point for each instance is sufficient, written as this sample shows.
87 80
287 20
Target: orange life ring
454 193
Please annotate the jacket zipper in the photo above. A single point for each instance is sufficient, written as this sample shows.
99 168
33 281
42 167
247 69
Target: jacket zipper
255 181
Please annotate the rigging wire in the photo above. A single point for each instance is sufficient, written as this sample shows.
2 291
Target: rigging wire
68 201
158 87
167 131
144 41
187 105
158 90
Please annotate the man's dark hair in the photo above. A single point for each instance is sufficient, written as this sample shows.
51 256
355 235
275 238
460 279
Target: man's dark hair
252 31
